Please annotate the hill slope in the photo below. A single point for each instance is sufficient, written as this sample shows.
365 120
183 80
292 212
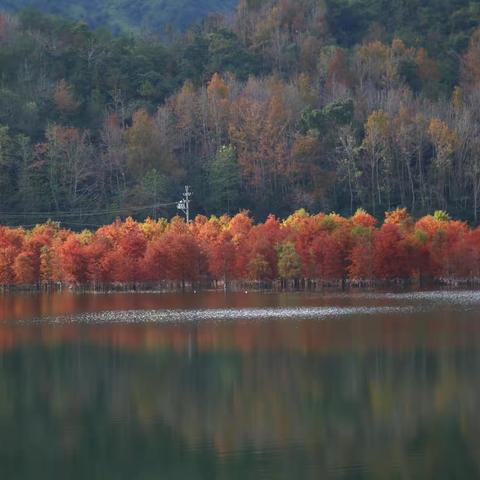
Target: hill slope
322 104
123 15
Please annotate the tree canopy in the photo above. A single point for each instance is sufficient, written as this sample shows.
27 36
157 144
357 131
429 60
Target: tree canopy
327 105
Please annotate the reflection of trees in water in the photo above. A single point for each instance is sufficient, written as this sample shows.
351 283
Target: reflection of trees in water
408 414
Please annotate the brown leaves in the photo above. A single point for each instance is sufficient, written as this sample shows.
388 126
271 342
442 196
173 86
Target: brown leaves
471 60
64 98
444 141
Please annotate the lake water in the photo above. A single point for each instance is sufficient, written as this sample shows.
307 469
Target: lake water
240 386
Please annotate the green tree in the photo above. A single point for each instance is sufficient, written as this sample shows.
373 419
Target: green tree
224 180
339 112
7 169
151 190
227 54
289 265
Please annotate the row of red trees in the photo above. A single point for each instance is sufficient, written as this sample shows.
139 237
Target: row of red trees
322 248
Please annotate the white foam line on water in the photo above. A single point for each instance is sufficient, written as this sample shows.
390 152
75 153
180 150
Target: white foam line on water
439 296
412 302
179 316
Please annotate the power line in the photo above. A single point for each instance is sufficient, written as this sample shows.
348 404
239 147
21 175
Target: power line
87 214
32 225
184 204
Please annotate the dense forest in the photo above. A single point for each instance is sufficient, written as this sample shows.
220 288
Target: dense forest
122 16
324 105
307 251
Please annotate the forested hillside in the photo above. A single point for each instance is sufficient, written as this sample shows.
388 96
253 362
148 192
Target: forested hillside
327 105
158 16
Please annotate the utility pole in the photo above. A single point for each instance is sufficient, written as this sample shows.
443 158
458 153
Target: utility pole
184 204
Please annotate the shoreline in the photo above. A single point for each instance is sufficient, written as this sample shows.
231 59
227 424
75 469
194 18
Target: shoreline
276 286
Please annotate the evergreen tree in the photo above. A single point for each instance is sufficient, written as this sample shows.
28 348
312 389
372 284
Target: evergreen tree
224 180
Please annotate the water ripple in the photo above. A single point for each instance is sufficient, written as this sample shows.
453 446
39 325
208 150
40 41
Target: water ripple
403 303
179 316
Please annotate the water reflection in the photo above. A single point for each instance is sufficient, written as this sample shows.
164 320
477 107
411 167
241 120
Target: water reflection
390 395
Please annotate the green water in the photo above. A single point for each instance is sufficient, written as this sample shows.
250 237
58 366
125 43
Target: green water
243 386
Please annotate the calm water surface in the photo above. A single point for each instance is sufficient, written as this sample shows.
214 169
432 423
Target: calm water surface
240 386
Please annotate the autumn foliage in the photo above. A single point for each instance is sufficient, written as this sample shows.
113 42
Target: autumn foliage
315 249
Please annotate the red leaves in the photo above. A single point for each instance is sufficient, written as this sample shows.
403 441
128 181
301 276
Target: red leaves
155 261
361 262
391 260
7 259
328 257
184 256
322 247
262 242
221 257
131 248
74 260
24 269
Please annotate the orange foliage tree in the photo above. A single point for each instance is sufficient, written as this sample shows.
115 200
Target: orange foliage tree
320 248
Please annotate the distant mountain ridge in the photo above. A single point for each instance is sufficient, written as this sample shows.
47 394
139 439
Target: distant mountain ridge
127 15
